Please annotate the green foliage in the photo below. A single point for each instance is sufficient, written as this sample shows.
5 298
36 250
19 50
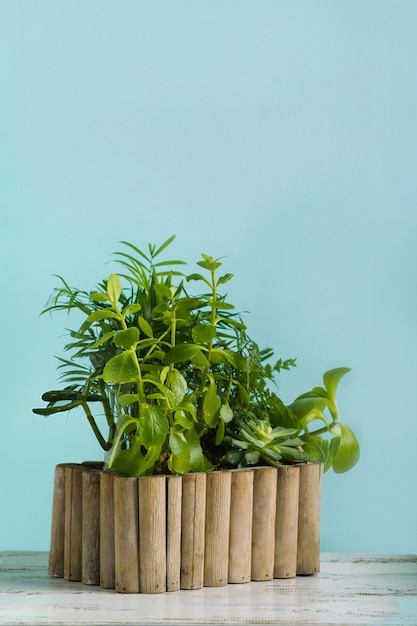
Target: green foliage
182 386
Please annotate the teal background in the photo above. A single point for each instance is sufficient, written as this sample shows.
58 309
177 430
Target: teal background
282 135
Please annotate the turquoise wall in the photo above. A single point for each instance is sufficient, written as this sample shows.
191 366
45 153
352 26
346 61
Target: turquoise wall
282 135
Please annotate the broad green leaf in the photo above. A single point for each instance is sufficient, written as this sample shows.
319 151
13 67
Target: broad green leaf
217 356
188 407
236 359
303 405
226 413
224 279
153 425
211 405
198 277
198 462
200 360
131 309
163 290
333 448
98 296
182 419
221 305
127 399
181 353
102 314
203 333
127 339
122 368
114 288
163 374
180 453
348 452
166 393
312 447
178 385
145 326
331 380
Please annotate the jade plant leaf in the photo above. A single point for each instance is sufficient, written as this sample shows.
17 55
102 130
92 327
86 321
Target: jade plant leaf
122 368
211 405
114 288
127 339
180 453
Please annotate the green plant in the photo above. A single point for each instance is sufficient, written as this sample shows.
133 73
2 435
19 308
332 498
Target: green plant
179 381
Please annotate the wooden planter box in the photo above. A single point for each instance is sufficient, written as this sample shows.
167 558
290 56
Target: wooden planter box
165 533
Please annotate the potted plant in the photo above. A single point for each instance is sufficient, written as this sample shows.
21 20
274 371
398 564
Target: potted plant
185 392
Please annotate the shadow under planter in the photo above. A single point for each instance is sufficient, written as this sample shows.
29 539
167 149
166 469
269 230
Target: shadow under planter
164 533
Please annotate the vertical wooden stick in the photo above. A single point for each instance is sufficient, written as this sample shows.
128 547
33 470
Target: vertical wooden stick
193 515
240 538
308 546
126 537
263 522
216 550
174 503
90 553
107 553
152 534
286 524
56 553
73 522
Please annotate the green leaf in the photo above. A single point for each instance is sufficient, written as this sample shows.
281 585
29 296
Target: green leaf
198 462
188 407
98 296
198 277
178 385
220 433
180 453
203 333
348 452
131 309
164 245
226 413
220 305
303 405
224 279
163 291
200 360
331 380
122 368
103 339
181 353
209 263
127 339
211 405
153 425
182 419
236 359
252 457
114 288
102 314
145 326
127 399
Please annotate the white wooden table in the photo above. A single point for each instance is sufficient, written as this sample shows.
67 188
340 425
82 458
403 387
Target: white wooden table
350 589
